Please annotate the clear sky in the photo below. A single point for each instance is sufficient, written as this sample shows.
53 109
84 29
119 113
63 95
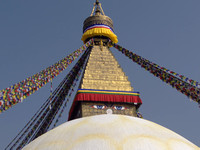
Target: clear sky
36 34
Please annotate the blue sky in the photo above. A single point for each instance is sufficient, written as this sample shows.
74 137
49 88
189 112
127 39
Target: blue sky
36 34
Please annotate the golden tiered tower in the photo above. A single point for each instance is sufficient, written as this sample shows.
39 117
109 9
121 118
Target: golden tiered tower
103 72
104 87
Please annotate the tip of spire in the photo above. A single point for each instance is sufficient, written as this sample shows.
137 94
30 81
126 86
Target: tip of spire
97 9
97 2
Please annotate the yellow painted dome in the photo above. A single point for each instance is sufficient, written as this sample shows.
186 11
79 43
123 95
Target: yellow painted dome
110 132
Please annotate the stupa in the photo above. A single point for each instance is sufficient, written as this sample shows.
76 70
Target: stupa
103 115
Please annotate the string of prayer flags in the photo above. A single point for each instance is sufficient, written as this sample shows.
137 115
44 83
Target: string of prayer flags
187 86
19 91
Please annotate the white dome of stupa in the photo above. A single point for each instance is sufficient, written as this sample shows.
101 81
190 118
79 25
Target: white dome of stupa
110 132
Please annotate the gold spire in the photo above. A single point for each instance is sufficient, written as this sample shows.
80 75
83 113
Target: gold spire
98 24
99 10
103 72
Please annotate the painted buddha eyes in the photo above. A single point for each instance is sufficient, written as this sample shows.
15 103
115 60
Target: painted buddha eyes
99 106
119 107
104 107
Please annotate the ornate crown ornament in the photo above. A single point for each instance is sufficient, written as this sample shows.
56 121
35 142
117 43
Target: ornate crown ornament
98 24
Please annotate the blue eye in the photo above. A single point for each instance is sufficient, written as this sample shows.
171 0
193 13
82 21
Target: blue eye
119 107
98 106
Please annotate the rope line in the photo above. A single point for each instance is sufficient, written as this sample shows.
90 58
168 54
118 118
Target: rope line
65 104
59 99
44 119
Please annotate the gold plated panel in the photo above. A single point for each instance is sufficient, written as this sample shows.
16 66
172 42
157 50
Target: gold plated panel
103 72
